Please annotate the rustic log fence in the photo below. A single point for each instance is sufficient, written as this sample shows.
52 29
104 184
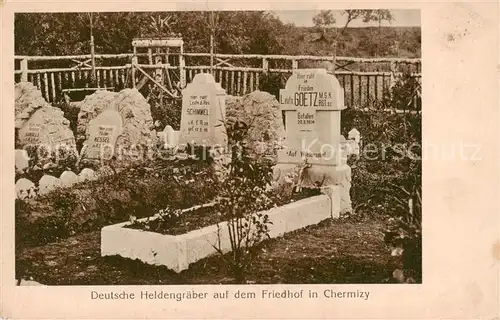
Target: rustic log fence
238 74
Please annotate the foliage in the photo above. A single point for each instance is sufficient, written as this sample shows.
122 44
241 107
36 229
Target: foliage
44 161
139 191
164 218
406 94
272 83
165 110
324 20
257 32
404 233
244 191
366 16
387 177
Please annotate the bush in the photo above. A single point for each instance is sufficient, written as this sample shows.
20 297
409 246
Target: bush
388 185
140 191
165 110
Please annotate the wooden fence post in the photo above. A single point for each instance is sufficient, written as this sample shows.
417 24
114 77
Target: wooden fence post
134 62
24 70
295 64
393 72
150 56
265 65
182 70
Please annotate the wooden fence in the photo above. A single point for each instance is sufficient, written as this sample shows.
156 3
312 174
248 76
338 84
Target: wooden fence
238 74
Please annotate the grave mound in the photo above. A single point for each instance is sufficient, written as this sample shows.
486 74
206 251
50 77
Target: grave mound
261 112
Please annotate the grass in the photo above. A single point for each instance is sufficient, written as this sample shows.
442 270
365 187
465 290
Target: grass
330 252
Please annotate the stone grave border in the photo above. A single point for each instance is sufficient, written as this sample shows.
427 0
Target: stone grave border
179 251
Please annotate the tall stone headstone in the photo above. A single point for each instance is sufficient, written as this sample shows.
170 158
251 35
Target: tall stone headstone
203 111
103 132
312 101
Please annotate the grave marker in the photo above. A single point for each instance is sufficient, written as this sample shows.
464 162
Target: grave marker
203 109
103 131
46 127
312 101
48 183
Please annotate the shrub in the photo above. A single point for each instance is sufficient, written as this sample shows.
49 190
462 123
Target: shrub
404 233
164 109
139 191
388 185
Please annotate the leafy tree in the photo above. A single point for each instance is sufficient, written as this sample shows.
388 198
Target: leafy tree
367 16
324 20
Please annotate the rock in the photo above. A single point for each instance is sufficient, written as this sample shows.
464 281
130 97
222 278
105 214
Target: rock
261 111
87 174
25 189
399 275
68 178
48 134
22 159
138 132
27 99
47 183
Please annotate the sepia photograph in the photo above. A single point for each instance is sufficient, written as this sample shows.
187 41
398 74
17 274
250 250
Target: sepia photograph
218 147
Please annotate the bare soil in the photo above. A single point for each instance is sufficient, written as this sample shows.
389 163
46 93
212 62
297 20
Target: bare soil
200 218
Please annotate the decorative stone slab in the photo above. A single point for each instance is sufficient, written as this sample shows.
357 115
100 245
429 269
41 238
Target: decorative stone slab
103 133
178 252
22 159
25 189
68 178
47 183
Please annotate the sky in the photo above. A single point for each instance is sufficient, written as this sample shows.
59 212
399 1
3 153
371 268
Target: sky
402 18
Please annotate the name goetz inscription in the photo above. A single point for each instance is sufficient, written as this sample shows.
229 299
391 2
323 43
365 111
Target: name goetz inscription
312 88
312 100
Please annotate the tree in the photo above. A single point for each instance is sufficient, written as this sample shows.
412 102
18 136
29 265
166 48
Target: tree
367 16
324 20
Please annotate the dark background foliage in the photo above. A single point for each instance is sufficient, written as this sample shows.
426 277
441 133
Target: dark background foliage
235 32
